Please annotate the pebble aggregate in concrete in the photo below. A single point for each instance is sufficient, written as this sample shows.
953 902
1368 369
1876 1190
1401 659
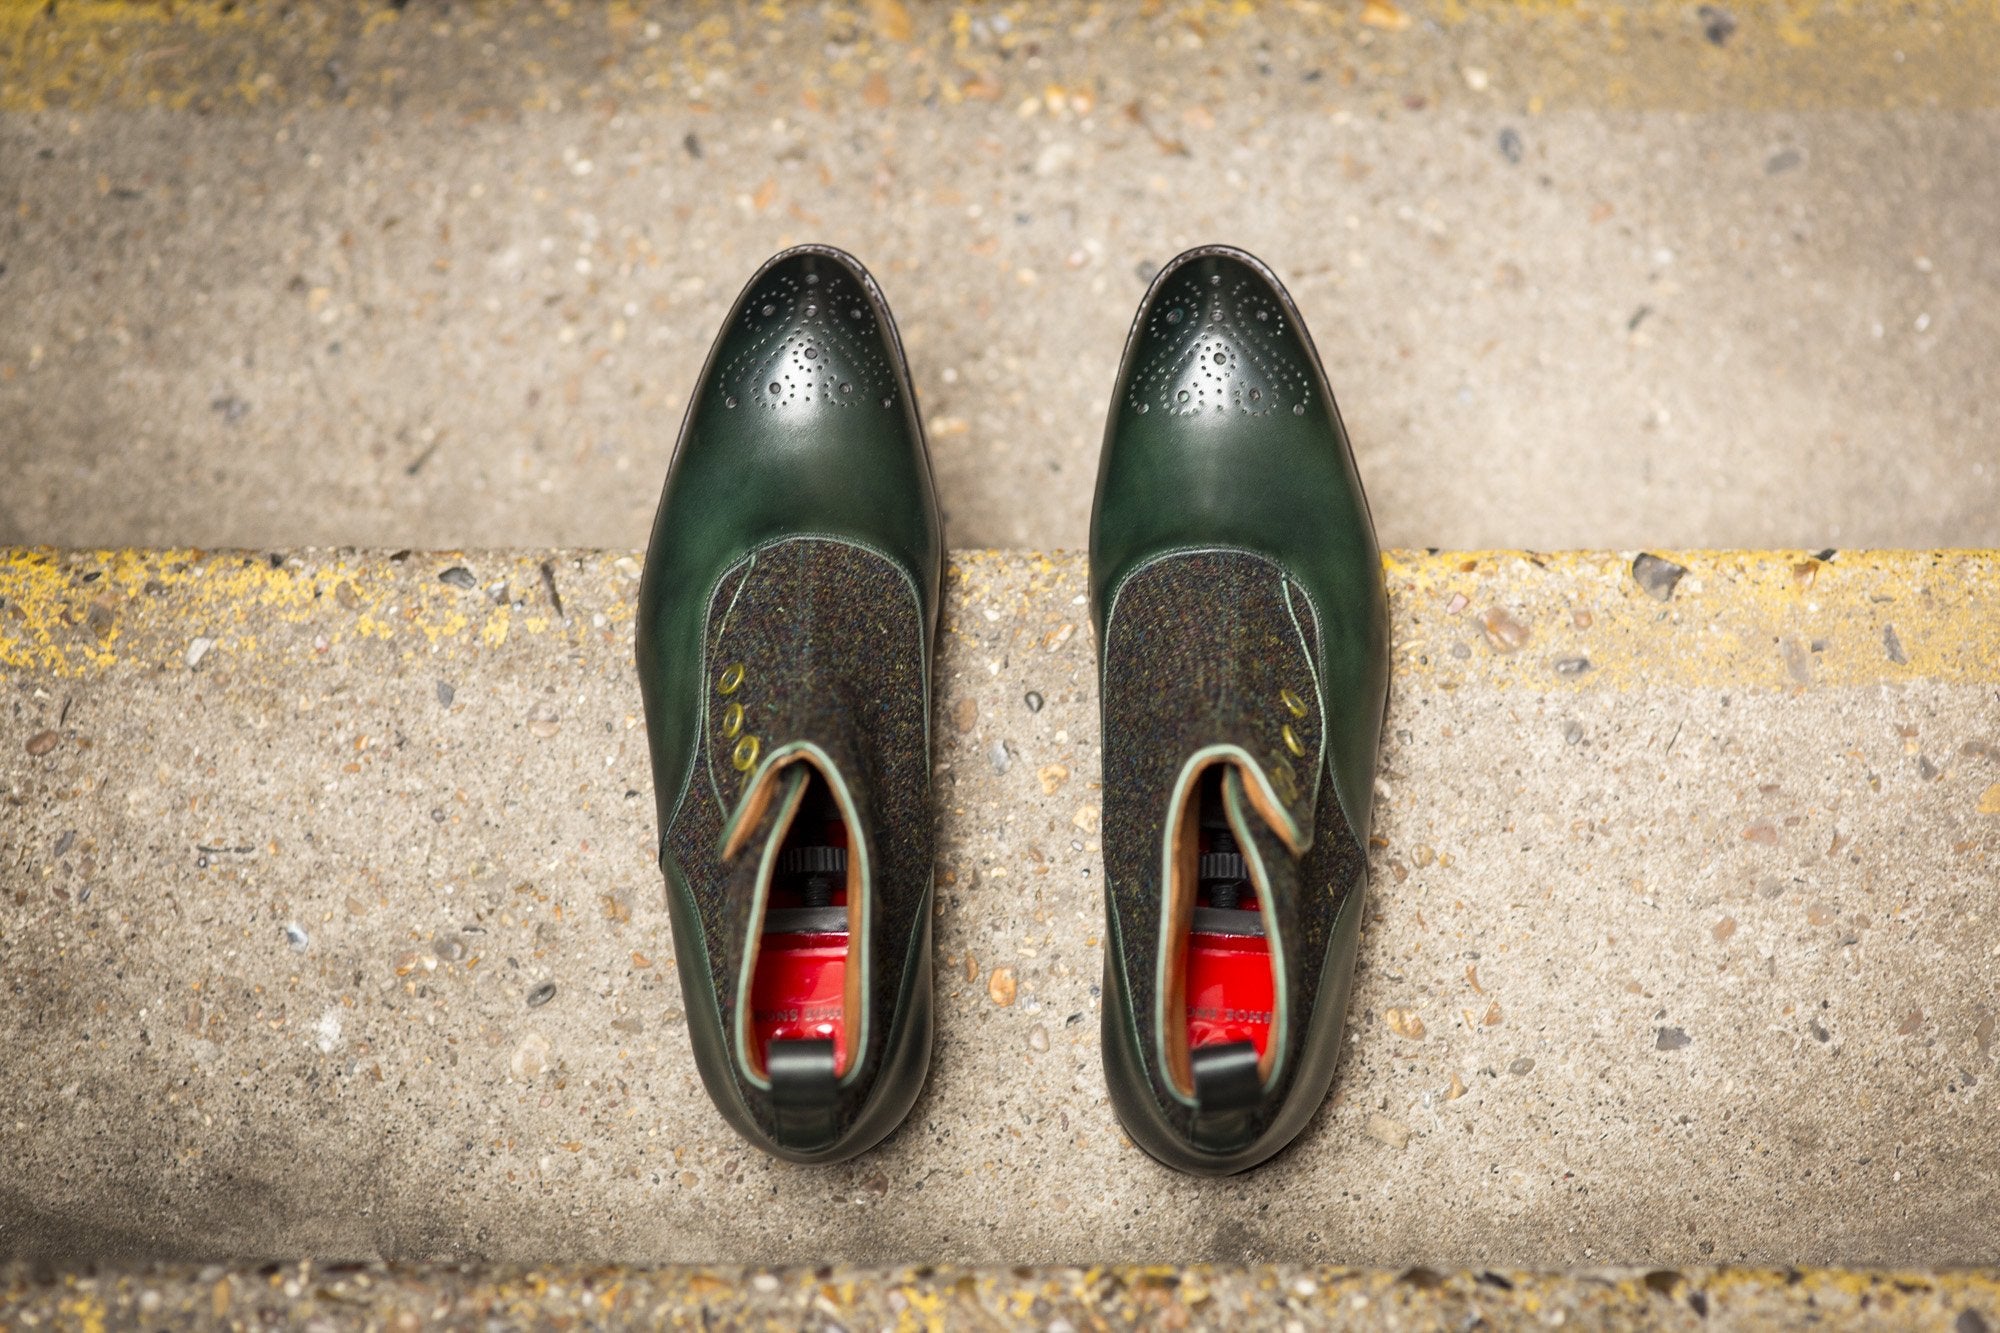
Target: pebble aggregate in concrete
1058 1300
1714 983
338 272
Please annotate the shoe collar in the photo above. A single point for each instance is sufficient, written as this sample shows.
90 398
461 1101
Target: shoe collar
752 837
1271 842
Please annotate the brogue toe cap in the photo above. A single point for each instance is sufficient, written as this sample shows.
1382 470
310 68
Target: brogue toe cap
808 337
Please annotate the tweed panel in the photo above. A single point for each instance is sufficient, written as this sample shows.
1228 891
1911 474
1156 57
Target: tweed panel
820 641
1211 648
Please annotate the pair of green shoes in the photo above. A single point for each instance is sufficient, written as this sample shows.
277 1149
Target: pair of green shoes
785 634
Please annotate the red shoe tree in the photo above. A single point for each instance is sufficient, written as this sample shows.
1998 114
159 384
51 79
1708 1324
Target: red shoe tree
1231 993
800 987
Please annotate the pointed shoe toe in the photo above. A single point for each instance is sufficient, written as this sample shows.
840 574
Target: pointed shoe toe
1241 619
785 628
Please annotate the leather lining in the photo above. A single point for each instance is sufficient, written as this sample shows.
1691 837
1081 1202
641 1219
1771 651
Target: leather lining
1236 791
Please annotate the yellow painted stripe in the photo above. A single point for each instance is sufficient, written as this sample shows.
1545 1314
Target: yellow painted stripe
1780 620
222 57
1771 620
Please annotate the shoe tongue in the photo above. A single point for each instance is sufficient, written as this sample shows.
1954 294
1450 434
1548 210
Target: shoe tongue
763 815
1251 803
1271 863
783 777
773 804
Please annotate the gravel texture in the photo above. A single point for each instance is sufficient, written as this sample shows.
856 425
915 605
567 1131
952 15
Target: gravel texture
1677 960
1055 1299
332 273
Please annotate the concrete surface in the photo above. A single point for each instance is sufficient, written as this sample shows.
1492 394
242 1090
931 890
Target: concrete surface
1058 1300
1682 949
1583 275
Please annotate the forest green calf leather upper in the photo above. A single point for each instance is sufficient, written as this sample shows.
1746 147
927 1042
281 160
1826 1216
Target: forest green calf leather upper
785 623
1242 624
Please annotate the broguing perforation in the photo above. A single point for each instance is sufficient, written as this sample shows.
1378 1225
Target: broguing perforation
1218 345
813 339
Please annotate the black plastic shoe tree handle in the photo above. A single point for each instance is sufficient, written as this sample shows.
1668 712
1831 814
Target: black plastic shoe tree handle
1227 1087
804 1091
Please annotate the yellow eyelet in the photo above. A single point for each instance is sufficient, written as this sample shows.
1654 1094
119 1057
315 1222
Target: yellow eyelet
1284 784
745 754
732 720
1293 704
1293 743
731 679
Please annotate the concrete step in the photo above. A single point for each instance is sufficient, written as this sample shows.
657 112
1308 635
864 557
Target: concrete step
1582 274
329 927
305 1295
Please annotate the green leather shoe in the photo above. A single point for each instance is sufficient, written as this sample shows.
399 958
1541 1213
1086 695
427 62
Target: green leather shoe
785 626
1242 628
